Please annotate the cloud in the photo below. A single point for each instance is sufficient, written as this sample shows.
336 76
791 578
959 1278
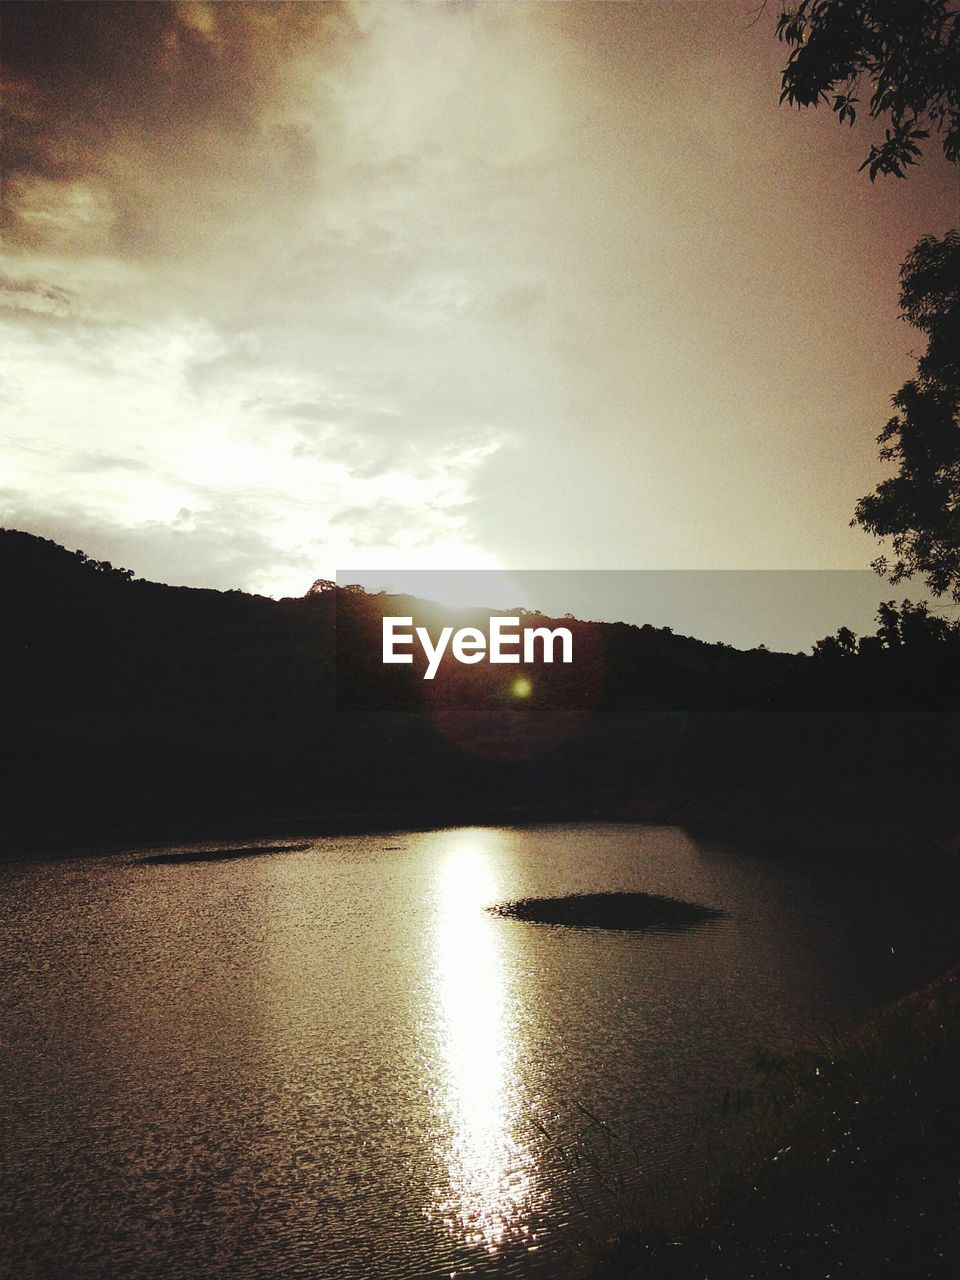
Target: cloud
472 283
32 296
108 97
92 463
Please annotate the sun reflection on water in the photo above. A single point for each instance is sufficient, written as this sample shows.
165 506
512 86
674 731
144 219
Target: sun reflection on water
489 1169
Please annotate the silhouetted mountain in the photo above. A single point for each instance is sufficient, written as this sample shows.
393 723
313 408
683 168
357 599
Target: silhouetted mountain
132 704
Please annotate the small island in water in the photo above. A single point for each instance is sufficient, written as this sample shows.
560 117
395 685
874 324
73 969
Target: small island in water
622 911
219 855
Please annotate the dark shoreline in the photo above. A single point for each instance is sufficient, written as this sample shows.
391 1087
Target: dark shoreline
29 846
808 826
868 1121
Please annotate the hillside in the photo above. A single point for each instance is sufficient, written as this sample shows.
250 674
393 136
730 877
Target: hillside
132 705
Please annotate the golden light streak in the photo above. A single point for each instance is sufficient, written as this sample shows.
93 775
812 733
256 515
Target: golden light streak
489 1170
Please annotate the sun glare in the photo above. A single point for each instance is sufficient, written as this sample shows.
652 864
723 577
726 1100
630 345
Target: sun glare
488 1169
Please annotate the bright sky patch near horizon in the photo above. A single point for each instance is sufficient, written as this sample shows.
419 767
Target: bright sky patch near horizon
440 286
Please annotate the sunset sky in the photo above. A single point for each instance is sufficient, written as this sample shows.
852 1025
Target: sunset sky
474 285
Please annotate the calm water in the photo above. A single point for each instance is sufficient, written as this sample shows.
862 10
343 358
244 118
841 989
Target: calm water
332 1062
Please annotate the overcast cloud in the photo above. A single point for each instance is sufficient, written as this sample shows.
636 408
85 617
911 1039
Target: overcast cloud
294 287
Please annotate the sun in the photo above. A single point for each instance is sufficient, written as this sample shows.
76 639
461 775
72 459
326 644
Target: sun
521 687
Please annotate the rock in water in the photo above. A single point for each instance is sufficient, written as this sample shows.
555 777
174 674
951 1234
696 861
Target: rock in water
624 911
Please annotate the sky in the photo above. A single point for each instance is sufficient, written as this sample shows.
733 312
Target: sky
290 288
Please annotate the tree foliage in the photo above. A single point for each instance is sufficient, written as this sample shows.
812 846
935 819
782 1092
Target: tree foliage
904 54
911 628
919 507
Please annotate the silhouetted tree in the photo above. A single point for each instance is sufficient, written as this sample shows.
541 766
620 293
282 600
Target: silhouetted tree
846 640
907 52
919 508
841 645
102 566
911 627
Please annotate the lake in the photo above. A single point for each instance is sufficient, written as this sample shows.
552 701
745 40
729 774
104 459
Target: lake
332 1062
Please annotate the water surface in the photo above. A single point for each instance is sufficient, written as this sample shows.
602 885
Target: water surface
332 1062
